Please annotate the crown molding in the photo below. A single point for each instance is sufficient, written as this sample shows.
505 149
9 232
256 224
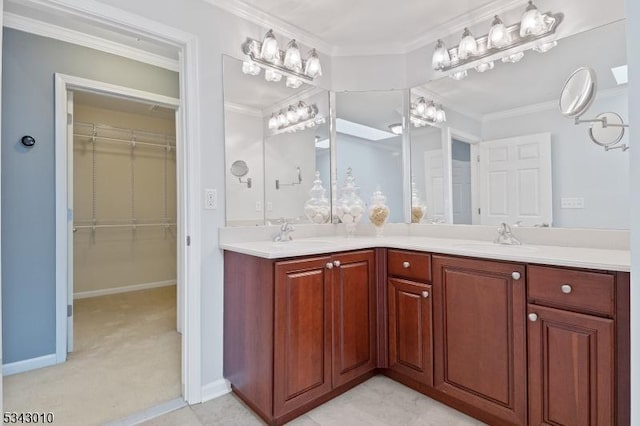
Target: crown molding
267 20
548 105
242 109
44 29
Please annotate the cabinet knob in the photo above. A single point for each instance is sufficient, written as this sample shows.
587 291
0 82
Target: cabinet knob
406 265
533 317
515 275
329 265
566 288
336 263
425 294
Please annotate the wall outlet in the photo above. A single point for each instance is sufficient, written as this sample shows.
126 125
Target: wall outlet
210 199
258 206
269 206
572 203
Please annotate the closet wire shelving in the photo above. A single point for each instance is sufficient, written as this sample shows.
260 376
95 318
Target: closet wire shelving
95 133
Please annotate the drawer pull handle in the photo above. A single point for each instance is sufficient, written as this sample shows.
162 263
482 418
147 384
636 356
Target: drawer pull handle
329 265
336 263
406 265
533 317
566 288
515 275
425 294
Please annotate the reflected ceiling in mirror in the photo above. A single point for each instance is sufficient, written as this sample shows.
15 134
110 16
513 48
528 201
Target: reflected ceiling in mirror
503 120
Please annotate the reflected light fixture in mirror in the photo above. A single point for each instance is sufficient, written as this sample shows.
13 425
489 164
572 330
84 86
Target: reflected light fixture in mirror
296 117
424 113
441 56
498 34
396 128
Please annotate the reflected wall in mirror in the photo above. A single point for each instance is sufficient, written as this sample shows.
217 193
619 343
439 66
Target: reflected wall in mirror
277 137
369 141
507 153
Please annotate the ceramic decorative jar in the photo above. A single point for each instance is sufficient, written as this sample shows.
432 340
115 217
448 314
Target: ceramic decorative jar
378 211
350 206
418 207
318 208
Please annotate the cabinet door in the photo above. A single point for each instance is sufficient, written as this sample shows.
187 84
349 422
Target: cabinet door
354 316
410 330
570 368
302 350
480 335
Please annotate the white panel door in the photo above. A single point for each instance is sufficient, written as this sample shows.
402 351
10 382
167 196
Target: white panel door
515 180
434 184
461 191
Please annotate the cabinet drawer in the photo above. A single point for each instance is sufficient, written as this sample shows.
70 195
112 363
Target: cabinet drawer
581 290
410 265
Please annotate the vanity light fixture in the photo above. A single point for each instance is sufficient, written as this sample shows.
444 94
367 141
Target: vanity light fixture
276 63
296 117
506 43
430 115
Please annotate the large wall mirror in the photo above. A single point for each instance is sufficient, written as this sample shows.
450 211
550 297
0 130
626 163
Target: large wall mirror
276 139
507 154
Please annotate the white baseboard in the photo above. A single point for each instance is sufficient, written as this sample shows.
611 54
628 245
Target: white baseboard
123 289
28 364
215 389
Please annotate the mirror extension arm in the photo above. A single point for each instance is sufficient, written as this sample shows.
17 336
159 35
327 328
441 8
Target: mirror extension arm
278 184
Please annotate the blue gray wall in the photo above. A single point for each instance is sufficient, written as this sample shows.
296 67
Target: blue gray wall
28 200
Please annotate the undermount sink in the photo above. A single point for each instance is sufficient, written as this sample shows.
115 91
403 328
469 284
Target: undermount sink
496 247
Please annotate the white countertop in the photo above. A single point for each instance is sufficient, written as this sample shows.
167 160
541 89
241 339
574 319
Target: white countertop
580 257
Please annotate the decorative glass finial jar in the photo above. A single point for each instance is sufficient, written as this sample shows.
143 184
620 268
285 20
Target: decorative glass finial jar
350 206
378 211
318 208
418 207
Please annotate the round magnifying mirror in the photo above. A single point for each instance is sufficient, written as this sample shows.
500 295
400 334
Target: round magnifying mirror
578 92
239 168
607 136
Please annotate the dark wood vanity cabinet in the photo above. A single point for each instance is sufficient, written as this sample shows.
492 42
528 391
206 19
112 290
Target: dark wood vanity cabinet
480 336
298 332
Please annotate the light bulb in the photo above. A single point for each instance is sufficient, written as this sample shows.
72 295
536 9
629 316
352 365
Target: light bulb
248 67
273 122
441 116
485 66
468 45
441 58
459 75
303 111
421 106
293 82
312 67
430 111
516 57
532 22
282 120
498 34
292 114
271 75
269 51
292 58
545 47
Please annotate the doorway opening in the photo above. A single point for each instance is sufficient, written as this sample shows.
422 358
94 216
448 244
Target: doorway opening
461 182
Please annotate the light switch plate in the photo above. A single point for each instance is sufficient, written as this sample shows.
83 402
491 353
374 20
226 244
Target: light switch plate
210 199
572 203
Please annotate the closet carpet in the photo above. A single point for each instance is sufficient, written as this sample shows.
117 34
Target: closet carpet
126 359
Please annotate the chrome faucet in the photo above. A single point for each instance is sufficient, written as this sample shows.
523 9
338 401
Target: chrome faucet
505 236
285 232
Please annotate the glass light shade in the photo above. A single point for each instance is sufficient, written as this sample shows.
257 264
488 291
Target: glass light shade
545 47
441 56
293 82
498 34
273 122
269 51
248 67
292 114
303 111
271 75
430 111
441 116
396 128
282 120
468 45
292 58
312 67
485 66
516 57
421 106
532 22
459 75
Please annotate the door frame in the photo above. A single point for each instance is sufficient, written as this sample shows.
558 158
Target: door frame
189 187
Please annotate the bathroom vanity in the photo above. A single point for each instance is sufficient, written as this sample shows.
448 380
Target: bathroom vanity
500 336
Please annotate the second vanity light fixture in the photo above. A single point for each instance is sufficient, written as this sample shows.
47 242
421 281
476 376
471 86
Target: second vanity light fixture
277 63
426 113
296 117
533 26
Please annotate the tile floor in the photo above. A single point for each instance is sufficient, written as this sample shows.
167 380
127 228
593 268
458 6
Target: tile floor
377 402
